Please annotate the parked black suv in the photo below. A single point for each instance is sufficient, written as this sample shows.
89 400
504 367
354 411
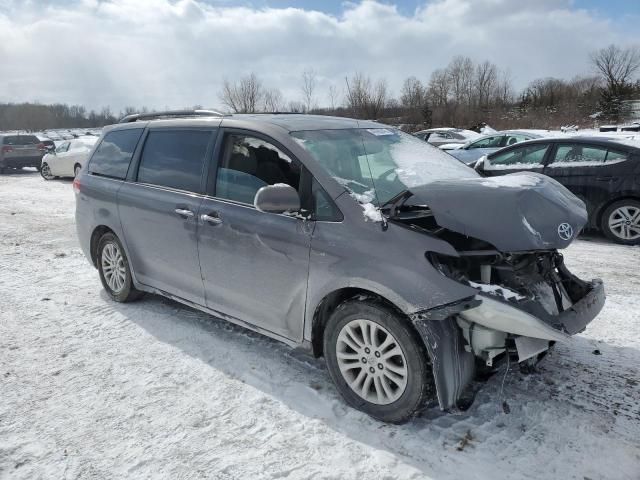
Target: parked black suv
604 173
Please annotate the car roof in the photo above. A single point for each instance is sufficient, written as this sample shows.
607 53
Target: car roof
290 122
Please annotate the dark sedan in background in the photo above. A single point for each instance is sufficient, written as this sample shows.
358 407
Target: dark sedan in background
604 173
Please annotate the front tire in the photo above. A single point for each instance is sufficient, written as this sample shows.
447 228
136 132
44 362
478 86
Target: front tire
377 361
621 222
45 171
114 269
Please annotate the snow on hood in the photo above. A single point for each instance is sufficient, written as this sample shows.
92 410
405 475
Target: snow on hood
510 181
451 146
515 212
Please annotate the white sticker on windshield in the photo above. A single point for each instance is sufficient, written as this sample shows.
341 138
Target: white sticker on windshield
380 131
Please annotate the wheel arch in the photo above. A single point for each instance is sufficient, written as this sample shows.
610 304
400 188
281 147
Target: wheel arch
96 235
330 302
603 207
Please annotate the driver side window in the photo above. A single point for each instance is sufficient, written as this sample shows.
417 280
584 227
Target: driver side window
491 142
530 156
250 163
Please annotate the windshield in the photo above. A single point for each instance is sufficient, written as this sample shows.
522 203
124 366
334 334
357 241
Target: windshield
376 164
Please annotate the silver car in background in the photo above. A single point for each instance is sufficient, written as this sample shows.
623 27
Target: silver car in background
439 137
471 151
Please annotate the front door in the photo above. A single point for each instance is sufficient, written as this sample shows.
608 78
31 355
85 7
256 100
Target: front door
254 264
159 208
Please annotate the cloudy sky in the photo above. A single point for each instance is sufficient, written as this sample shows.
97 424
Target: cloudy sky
176 53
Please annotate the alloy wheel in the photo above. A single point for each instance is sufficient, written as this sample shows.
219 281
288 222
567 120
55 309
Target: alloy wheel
113 267
45 171
624 222
371 362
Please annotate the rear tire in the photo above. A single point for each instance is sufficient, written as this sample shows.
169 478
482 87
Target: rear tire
114 269
621 222
377 361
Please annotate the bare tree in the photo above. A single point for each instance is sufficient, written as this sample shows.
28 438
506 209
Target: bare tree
616 66
504 88
439 87
364 99
244 96
333 96
460 72
296 107
273 100
308 89
485 82
413 99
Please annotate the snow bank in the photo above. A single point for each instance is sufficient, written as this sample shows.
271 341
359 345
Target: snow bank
91 388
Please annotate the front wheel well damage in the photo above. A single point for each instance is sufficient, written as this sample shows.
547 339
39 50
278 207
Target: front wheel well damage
328 305
97 234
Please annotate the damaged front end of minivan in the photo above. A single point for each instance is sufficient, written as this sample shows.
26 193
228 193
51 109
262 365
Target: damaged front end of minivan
506 233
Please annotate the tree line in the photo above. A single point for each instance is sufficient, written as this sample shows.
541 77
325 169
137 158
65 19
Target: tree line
462 94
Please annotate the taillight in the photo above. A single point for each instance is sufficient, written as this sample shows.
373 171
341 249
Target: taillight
7 149
42 146
76 185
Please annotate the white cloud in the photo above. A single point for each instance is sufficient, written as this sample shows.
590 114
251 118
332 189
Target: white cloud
176 53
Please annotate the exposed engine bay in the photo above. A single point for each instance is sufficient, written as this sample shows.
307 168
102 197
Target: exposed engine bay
527 300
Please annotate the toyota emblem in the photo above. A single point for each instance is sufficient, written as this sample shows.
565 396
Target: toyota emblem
565 231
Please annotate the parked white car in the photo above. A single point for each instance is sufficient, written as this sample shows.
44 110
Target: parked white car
67 159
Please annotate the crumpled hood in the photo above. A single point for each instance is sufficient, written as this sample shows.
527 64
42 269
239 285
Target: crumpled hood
515 212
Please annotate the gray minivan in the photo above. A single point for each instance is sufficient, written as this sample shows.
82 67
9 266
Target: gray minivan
401 266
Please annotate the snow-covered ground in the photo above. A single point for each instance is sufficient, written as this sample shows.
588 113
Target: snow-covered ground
94 389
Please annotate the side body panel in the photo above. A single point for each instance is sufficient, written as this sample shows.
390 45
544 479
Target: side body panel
162 243
96 205
255 265
358 253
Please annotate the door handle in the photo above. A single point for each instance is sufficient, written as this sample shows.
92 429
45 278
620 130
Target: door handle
604 179
210 219
183 212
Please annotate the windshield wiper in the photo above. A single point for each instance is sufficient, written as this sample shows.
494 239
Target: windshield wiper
394 203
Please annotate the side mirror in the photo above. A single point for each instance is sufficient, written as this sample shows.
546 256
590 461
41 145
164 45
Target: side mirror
479 166
278 198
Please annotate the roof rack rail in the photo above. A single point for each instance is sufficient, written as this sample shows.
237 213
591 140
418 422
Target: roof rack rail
134 117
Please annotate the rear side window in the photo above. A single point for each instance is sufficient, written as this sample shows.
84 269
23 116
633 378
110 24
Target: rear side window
21 140
578 155
615 157
174 159
111 158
